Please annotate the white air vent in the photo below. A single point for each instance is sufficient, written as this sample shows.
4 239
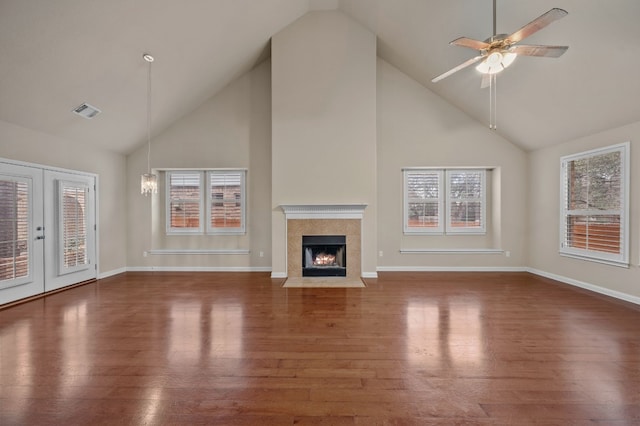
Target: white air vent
87 111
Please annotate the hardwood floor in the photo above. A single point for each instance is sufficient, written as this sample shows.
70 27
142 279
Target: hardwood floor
238 349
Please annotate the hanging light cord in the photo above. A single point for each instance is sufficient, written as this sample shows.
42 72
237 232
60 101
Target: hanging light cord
149 119
492 81
492 102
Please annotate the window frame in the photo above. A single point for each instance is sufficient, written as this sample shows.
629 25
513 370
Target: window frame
467 230
243 197
444 202
61 226
183 230
205 200
437 230
615 259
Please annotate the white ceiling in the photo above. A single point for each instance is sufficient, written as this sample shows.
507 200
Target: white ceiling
54 55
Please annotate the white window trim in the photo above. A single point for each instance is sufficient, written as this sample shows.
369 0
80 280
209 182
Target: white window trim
243 198
482 229
183 231
436 230
444 205
62 269
205 227
621 259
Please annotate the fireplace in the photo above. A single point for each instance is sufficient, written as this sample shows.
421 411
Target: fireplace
324 256
324 220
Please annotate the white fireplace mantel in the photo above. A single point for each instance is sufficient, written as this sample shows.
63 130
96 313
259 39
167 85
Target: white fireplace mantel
323 211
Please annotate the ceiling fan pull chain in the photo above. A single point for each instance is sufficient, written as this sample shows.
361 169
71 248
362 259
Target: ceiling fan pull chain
492 102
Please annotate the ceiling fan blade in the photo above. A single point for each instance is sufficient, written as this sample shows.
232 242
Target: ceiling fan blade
537 24
534 50
458 68
470 43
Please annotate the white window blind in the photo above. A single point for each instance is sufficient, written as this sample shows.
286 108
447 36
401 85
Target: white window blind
594 212
466 201
206 201
226 201
451 201
423 201
14 228
73 226
184 202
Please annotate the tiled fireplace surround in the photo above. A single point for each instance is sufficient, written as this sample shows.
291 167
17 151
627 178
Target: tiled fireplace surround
324 220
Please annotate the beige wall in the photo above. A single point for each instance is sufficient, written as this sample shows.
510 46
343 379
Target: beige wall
26 145
324 129
416 128
230 130
544 197
331 94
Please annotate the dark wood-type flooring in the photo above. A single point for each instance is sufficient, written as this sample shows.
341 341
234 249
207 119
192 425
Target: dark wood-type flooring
238 349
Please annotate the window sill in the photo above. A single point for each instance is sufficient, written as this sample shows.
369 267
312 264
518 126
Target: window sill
619 264
451 251
193 251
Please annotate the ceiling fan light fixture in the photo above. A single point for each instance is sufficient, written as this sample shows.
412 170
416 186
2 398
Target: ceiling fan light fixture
496 62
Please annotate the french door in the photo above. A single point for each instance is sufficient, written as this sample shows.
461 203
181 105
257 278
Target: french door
47 230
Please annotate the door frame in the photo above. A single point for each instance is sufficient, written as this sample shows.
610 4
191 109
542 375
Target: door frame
96 204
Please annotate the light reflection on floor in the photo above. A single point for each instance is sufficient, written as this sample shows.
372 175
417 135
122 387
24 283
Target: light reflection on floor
444 334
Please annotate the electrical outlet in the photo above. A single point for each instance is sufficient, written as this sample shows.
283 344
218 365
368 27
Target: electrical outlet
145 254
507 253
380 253
261 254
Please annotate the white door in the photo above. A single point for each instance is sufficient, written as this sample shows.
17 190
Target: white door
70 225
21 232
47 230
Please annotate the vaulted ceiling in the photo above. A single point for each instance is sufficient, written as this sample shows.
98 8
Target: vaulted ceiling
54 55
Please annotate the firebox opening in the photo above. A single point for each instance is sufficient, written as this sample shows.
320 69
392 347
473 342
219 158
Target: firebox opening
324 256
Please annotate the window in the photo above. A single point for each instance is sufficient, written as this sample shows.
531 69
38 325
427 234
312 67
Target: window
15 247
423 201
226 203
73 225
184 202
428 191
466 201
594 211
211 201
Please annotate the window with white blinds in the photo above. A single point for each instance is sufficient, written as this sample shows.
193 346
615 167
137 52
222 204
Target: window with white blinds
184 202
226 202
466 199
206 201
73 226
594 211
438 201
423 201
14 228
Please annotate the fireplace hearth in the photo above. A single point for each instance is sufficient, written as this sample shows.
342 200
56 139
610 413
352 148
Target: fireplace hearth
324 256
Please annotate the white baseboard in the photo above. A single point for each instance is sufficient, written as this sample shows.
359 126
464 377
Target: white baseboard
369 275
587 286
111 273
278 275
451 269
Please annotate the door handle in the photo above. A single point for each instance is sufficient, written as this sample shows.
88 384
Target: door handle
40 237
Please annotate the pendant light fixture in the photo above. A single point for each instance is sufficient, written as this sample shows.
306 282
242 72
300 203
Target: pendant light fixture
148 181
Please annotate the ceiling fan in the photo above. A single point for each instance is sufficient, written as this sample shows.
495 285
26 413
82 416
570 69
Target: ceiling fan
500 50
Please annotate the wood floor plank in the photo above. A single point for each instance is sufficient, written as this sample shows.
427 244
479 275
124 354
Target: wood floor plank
239 349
